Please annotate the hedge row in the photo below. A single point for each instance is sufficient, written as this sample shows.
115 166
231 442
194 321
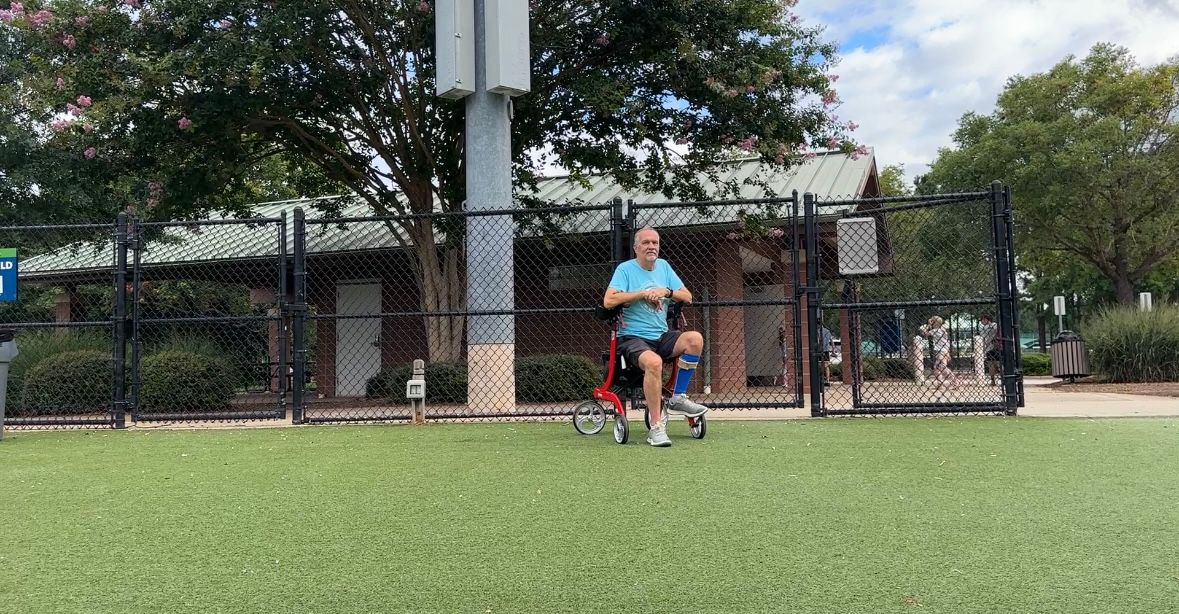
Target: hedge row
545 378
74 381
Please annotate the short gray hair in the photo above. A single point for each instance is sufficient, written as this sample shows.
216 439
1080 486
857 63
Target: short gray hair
641 231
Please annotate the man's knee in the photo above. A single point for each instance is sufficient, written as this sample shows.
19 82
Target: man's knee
693 340
650 362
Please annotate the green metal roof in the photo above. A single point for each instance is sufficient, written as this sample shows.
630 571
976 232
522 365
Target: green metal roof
830 175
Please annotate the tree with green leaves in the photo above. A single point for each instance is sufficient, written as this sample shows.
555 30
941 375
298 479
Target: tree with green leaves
1091 150
162 104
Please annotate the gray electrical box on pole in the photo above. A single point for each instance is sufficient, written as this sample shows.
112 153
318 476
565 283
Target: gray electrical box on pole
501 69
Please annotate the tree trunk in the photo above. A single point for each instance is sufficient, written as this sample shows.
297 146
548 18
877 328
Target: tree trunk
441 291
1123 284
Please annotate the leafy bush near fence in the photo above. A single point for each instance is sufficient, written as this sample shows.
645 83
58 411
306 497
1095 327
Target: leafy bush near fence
445 383
35 346
1127 345
876 368
539 379
1036 363
184 380
887 368
72 382
556 377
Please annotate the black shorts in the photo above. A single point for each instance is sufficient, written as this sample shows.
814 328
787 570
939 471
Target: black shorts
994 355
632 347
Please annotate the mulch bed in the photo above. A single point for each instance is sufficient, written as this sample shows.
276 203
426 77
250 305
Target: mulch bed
1089 384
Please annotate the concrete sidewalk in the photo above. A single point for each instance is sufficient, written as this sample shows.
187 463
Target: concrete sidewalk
1041 402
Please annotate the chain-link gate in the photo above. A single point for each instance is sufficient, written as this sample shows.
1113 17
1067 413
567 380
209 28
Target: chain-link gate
208 334
739 259
911 305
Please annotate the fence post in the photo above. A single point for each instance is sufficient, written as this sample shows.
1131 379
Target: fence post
812 304
796 351
1004 284
298 311
283 339
632 225
617 232
1010 217
119 402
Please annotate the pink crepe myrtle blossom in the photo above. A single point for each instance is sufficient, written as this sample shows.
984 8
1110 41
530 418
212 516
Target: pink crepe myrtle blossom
423 7
68 41
833 78
776 233
73 109
82 21
60 83
832 143
132 3
747 143
184 123
88 128
830 98
602 40
90 153
84 101
852 126
61 125
6 16
40 18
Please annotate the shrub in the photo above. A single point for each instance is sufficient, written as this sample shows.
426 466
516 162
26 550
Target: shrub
185 381
876 368
445 383
1127 345
35 346
556 377
72 382
1036 363
539 379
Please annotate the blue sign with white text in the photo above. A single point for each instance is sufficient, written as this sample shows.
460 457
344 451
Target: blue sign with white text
8 268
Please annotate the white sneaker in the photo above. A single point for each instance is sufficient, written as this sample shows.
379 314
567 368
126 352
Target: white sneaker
657 436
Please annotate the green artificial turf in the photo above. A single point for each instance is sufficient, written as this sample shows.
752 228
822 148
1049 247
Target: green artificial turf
894 515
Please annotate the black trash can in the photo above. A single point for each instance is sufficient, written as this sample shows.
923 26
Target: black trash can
1070 357
7 353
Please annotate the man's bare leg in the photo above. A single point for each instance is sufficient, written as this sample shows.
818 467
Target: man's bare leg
652 366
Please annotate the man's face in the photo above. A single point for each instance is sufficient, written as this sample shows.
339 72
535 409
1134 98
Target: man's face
647 246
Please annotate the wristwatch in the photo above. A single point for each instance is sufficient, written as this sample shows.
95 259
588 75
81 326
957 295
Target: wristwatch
670 292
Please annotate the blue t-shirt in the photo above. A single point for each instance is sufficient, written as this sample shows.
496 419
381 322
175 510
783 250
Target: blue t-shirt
639 319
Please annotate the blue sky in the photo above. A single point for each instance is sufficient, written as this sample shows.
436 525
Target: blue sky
911 68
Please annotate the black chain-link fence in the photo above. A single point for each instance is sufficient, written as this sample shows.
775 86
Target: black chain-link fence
914 305
238 319
62 317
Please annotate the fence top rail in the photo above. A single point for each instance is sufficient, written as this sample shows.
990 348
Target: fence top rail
884 200
253 221
570 210
780 200
110 226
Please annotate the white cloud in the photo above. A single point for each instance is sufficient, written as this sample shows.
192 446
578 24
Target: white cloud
923 63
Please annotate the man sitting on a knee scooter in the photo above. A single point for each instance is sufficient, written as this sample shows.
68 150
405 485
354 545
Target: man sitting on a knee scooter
645 285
